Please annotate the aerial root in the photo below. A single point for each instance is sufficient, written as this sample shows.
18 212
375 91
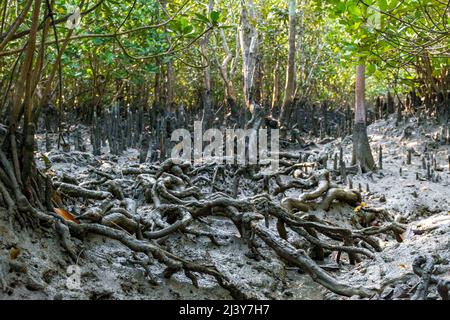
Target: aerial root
76 191
351 197
424 268
3 283
310 226
323 188
174 263
64 235
299 258
325 245
176 202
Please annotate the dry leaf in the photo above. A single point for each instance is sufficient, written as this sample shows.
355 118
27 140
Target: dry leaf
14 253
56 198
66 215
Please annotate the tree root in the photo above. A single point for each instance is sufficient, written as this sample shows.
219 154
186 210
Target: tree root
351 197
138 171
396 228
444 289
290 185
426 272
115 188
173 262
64 234
423 267
262 204
177 204
321 180
118 220
96 214
3 283
291 203
76 191
299 258
328 246
178 225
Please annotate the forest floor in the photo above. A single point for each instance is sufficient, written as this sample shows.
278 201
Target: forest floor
34 264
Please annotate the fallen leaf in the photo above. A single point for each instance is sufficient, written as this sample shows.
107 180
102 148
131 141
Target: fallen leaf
402 265
66 215
14 253
56 198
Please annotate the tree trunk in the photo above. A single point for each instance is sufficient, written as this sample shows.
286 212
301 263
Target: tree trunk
361 147
27 78
248 37
230 95
276 89
289 89
207 101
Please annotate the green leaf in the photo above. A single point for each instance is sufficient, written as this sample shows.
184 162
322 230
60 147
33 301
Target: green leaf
354 10
151 68
109 57
201 18
188 29
98 41
183 23
215 16
370 69
107 9
357 25
227 27
382 4
392 4
341 7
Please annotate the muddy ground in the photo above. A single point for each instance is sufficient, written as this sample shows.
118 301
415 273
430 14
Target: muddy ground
35 266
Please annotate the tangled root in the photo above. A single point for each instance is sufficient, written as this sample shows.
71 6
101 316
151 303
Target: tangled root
321 179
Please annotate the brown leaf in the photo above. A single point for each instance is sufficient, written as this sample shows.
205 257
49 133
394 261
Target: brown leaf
14 253
56 198
66 215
